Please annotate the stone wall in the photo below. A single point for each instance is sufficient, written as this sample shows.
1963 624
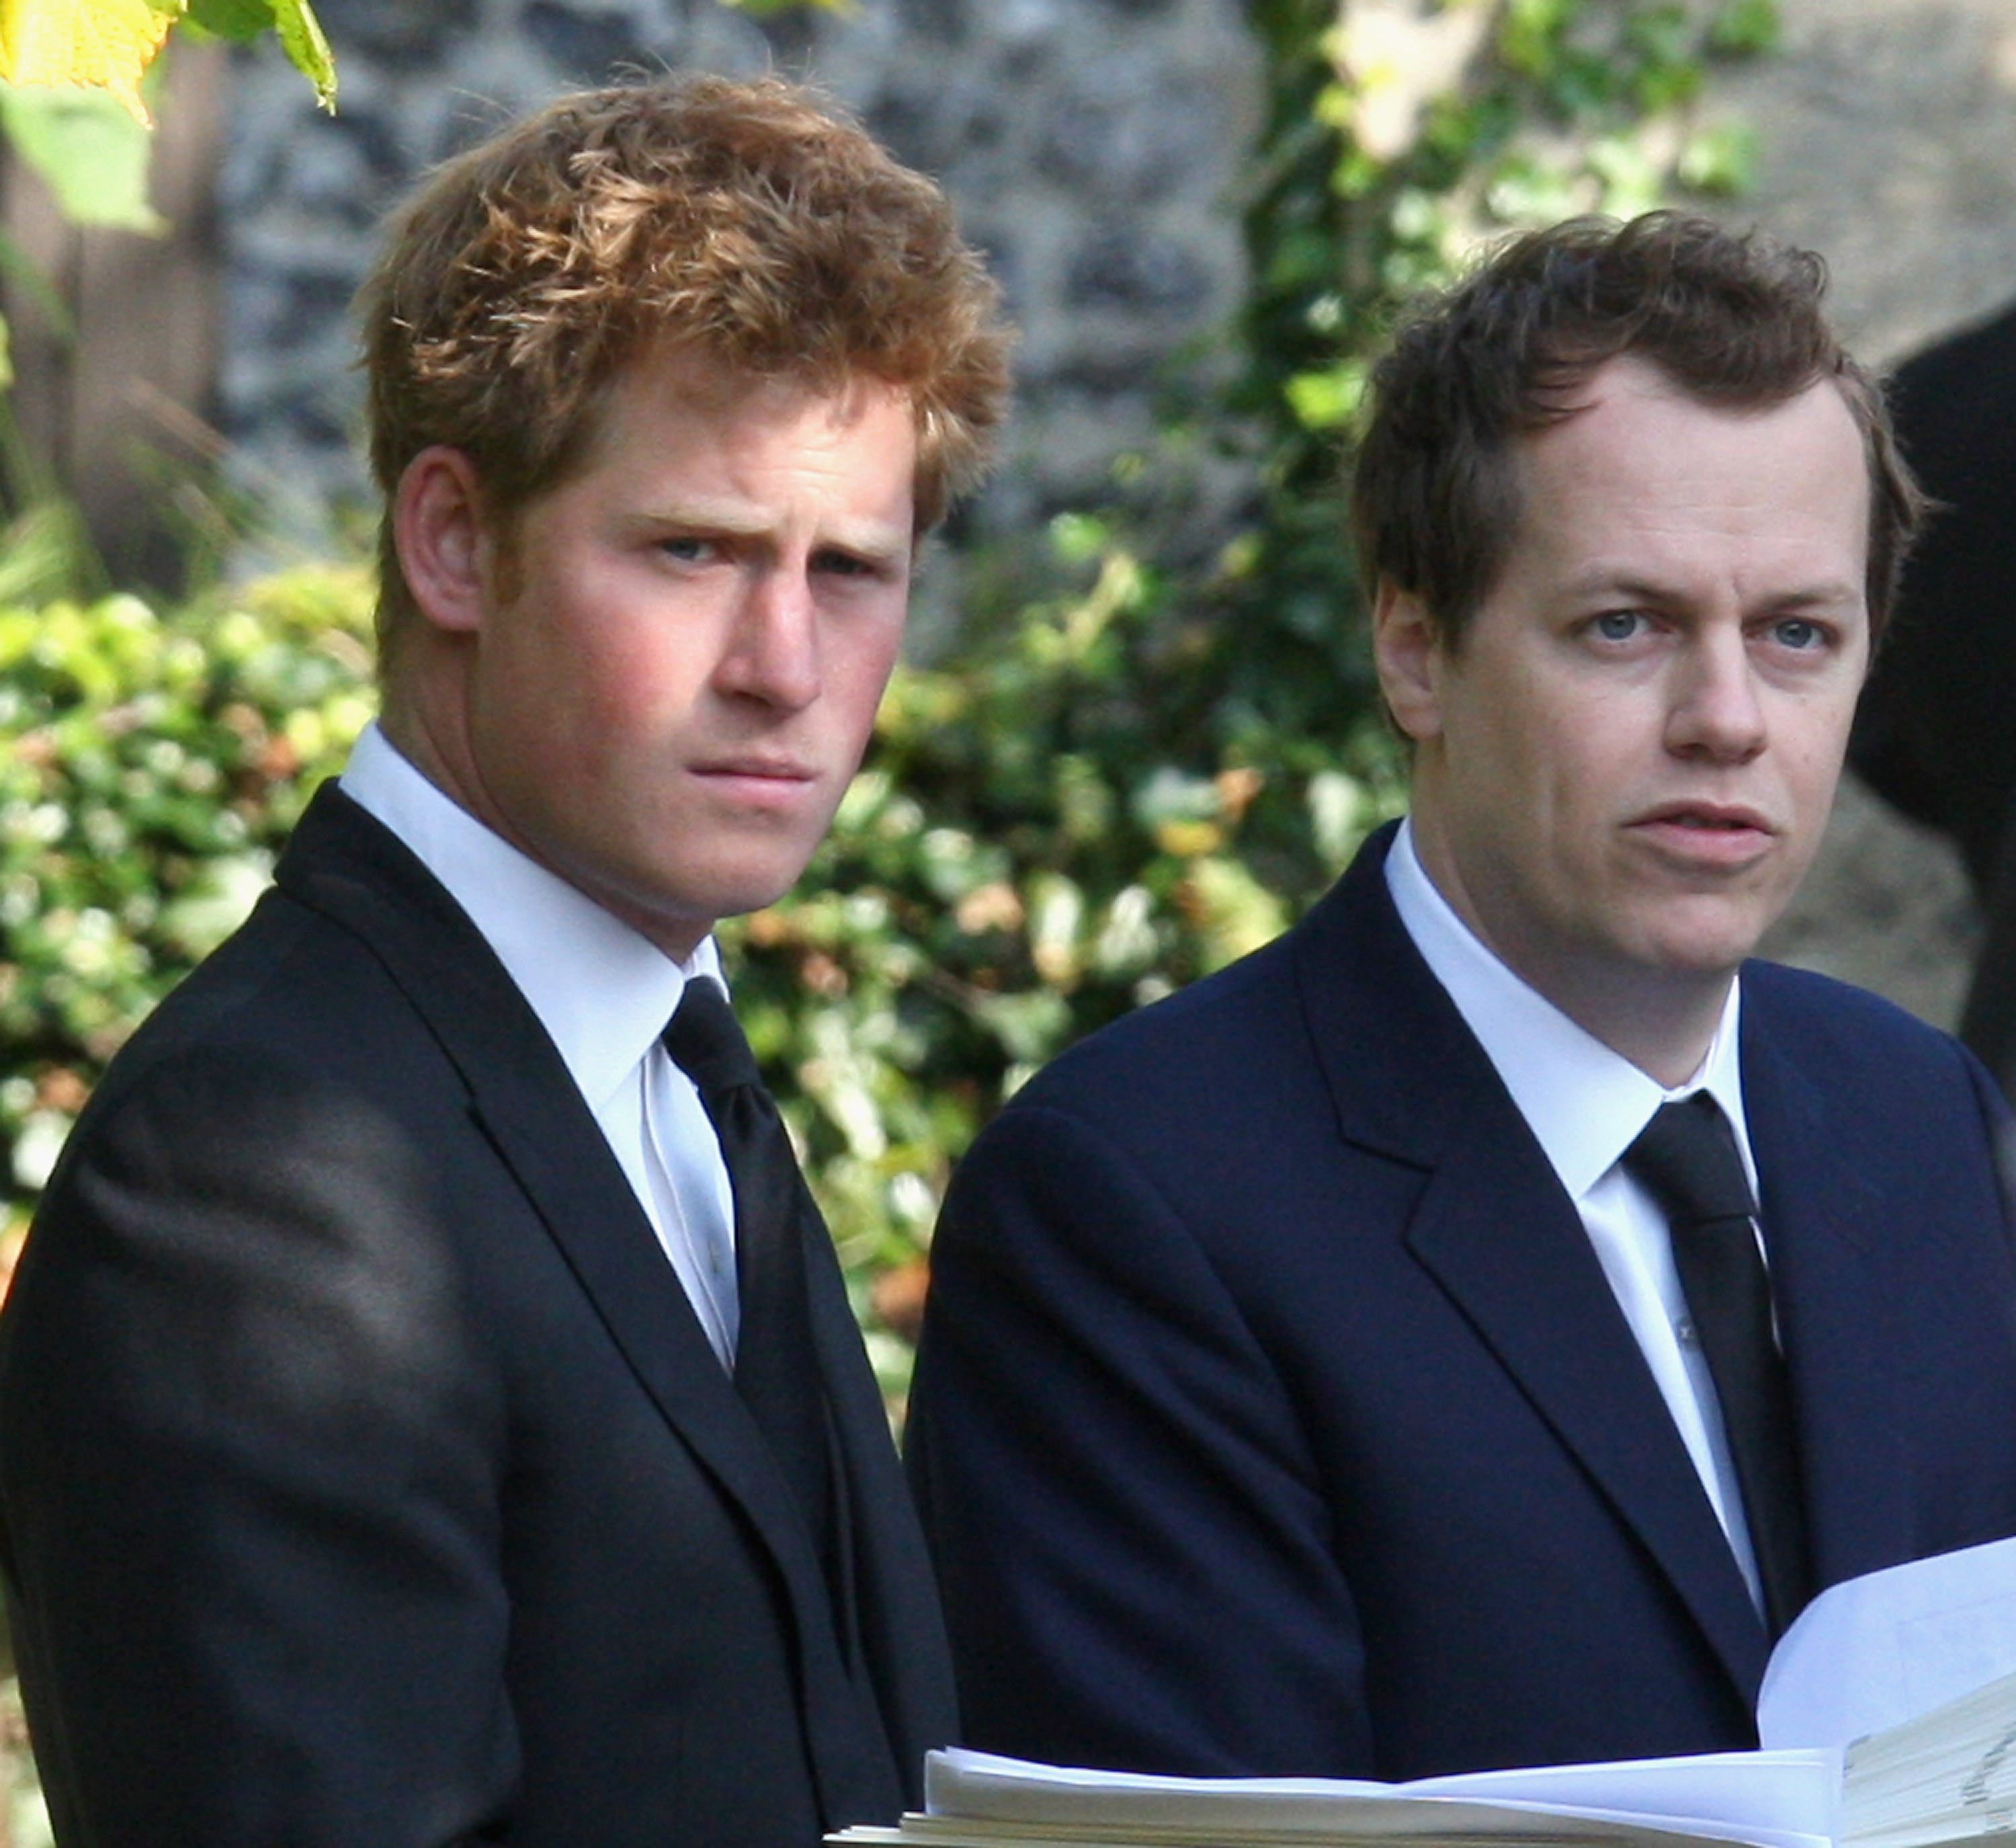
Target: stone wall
1887 141
1093 148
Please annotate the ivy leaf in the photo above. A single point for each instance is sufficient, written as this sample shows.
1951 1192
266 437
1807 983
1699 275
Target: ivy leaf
105 44
300 34
307 48
240 21
1327 399
1745 28
89 150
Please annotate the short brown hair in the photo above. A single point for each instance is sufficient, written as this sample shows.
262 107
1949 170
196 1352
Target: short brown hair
750 221
1731 319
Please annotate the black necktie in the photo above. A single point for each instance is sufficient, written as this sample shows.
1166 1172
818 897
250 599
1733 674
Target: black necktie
1687 1160
776 1370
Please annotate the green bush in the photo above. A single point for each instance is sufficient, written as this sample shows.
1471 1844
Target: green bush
155 763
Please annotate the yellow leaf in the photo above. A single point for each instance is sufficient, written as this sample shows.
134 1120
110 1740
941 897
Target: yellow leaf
106 45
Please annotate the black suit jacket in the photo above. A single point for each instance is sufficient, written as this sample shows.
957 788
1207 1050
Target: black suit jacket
365 1476
1274 1415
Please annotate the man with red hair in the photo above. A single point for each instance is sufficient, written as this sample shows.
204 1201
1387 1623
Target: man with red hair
430 1411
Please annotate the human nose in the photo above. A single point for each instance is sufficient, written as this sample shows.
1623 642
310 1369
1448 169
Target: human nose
773 654
1715 710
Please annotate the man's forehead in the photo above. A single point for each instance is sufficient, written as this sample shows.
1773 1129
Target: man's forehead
716 383
1634 425
676 380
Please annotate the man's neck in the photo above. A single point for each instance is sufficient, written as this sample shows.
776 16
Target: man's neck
1663 1025
1662 1020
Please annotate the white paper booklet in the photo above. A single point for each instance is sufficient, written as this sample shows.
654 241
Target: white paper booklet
1879 1650
1852 1759
1772 1800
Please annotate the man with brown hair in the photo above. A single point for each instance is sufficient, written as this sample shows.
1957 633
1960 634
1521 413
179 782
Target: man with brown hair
430 1411
1464 1333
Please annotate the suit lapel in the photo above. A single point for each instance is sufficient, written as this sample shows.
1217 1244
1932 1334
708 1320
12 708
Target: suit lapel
1825 1229
579 1191
1496 1230
346 864
1503 1240
587 1206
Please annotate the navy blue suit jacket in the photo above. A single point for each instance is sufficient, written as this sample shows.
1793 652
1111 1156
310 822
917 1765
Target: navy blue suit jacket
365 1477
1274 1415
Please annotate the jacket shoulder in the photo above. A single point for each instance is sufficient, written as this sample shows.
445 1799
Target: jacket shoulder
1798 1008
1342 994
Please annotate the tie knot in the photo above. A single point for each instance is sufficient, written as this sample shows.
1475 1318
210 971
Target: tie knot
707 1042
1686 1156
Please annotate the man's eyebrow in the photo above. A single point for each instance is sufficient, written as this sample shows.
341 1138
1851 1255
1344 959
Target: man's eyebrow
878 541
1820 598
1626 584
701 515
1603 580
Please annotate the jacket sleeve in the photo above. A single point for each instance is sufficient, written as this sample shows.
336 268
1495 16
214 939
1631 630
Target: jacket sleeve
1135 1549
249 1472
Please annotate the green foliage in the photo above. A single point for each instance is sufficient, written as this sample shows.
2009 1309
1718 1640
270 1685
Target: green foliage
152 767
1401 136
88 149
73 120
242 21
73 113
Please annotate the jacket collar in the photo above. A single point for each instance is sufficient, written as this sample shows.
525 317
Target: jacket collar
1827 1225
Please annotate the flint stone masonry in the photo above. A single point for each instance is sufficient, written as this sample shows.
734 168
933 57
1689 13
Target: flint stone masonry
1887 135
1094 149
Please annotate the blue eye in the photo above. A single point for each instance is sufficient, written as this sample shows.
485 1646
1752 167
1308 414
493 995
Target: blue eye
1618 625
1796 631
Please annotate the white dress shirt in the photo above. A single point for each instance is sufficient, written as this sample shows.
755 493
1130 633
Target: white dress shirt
1586 1105
603 993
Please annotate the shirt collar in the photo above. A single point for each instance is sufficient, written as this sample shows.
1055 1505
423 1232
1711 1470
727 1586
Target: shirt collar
602 991
1584 1103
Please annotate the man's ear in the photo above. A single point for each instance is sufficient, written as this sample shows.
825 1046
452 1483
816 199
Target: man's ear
1407 647
444 546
